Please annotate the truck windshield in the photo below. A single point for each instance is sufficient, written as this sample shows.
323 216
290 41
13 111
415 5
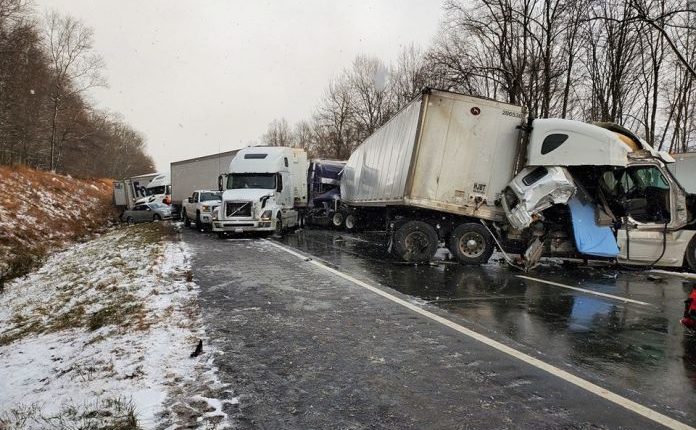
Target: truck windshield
251 180
155 190
210 196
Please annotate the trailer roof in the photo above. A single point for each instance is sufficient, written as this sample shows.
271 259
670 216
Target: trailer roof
206 157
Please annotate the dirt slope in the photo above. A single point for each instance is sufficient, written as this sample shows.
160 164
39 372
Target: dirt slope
42 211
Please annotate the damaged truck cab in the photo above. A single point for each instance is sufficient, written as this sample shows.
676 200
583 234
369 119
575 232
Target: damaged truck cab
598 191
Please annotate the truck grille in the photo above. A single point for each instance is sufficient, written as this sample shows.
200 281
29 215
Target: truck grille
238 209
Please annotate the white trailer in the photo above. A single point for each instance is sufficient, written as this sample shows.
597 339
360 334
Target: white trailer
435 168
265 191
200 173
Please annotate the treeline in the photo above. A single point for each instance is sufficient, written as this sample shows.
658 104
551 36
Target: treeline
47 66
630 62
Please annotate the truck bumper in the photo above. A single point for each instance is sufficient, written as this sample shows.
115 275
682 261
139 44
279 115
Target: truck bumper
206 219
242 226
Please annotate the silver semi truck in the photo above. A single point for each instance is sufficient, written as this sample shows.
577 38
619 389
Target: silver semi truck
473 173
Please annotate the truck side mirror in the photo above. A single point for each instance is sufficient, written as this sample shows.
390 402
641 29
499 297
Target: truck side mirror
220 183
190 200
279 186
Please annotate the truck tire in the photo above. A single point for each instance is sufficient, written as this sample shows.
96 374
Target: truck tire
222 235
338 219
415 241
351 222
690 255
199 224
279 226
187 221
471 243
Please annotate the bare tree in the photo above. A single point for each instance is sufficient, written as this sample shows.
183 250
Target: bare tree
278 134
75 67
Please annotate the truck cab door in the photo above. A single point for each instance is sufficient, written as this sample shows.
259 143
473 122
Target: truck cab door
655 211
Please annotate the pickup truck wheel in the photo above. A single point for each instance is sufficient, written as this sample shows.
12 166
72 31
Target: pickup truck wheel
187 221
199 224
350 222
338 219
415 241
690 256
471 244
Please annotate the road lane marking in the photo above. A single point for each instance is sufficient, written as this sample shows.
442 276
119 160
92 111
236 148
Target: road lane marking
535 362
596 293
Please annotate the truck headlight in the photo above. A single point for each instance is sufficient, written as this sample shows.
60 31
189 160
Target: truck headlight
205 208
267 215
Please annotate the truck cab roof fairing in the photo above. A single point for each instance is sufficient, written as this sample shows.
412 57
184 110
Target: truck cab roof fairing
562 142
263 159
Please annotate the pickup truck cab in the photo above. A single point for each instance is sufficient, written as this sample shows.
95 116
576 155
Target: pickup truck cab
199 208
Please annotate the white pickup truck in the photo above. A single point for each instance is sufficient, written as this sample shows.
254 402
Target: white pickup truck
199 207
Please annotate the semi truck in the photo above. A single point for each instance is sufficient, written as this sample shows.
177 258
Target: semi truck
474 173
265 190
200 173
128 191
158 190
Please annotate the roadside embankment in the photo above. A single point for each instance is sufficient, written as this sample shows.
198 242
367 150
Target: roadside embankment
42 211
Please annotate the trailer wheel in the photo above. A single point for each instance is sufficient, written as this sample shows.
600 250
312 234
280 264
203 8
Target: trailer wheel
415 241
690 256
187 221
338 219
471 243
350 222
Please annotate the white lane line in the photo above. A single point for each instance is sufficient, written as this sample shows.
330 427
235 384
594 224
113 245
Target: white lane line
596 293
568 377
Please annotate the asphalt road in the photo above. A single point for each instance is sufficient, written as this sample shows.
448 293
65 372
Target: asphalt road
306 348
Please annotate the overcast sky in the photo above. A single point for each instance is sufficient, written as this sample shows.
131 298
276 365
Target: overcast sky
196 77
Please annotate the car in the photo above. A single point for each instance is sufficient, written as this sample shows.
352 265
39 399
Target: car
146 212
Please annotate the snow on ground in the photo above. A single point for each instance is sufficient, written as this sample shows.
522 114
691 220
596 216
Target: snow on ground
103 332
42 211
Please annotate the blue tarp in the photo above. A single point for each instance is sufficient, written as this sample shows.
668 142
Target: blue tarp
590 238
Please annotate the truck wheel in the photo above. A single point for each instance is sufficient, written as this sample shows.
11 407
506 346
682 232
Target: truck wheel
187 221
350 222
198 221
471 243
415 241
338 219
279 226
222 234
690 255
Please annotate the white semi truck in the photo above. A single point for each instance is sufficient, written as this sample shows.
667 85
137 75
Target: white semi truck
128 191
473 173
265 190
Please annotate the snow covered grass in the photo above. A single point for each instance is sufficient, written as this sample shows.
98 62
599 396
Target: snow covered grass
101 337
41 211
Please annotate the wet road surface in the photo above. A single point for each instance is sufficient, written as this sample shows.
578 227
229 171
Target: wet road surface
307 349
